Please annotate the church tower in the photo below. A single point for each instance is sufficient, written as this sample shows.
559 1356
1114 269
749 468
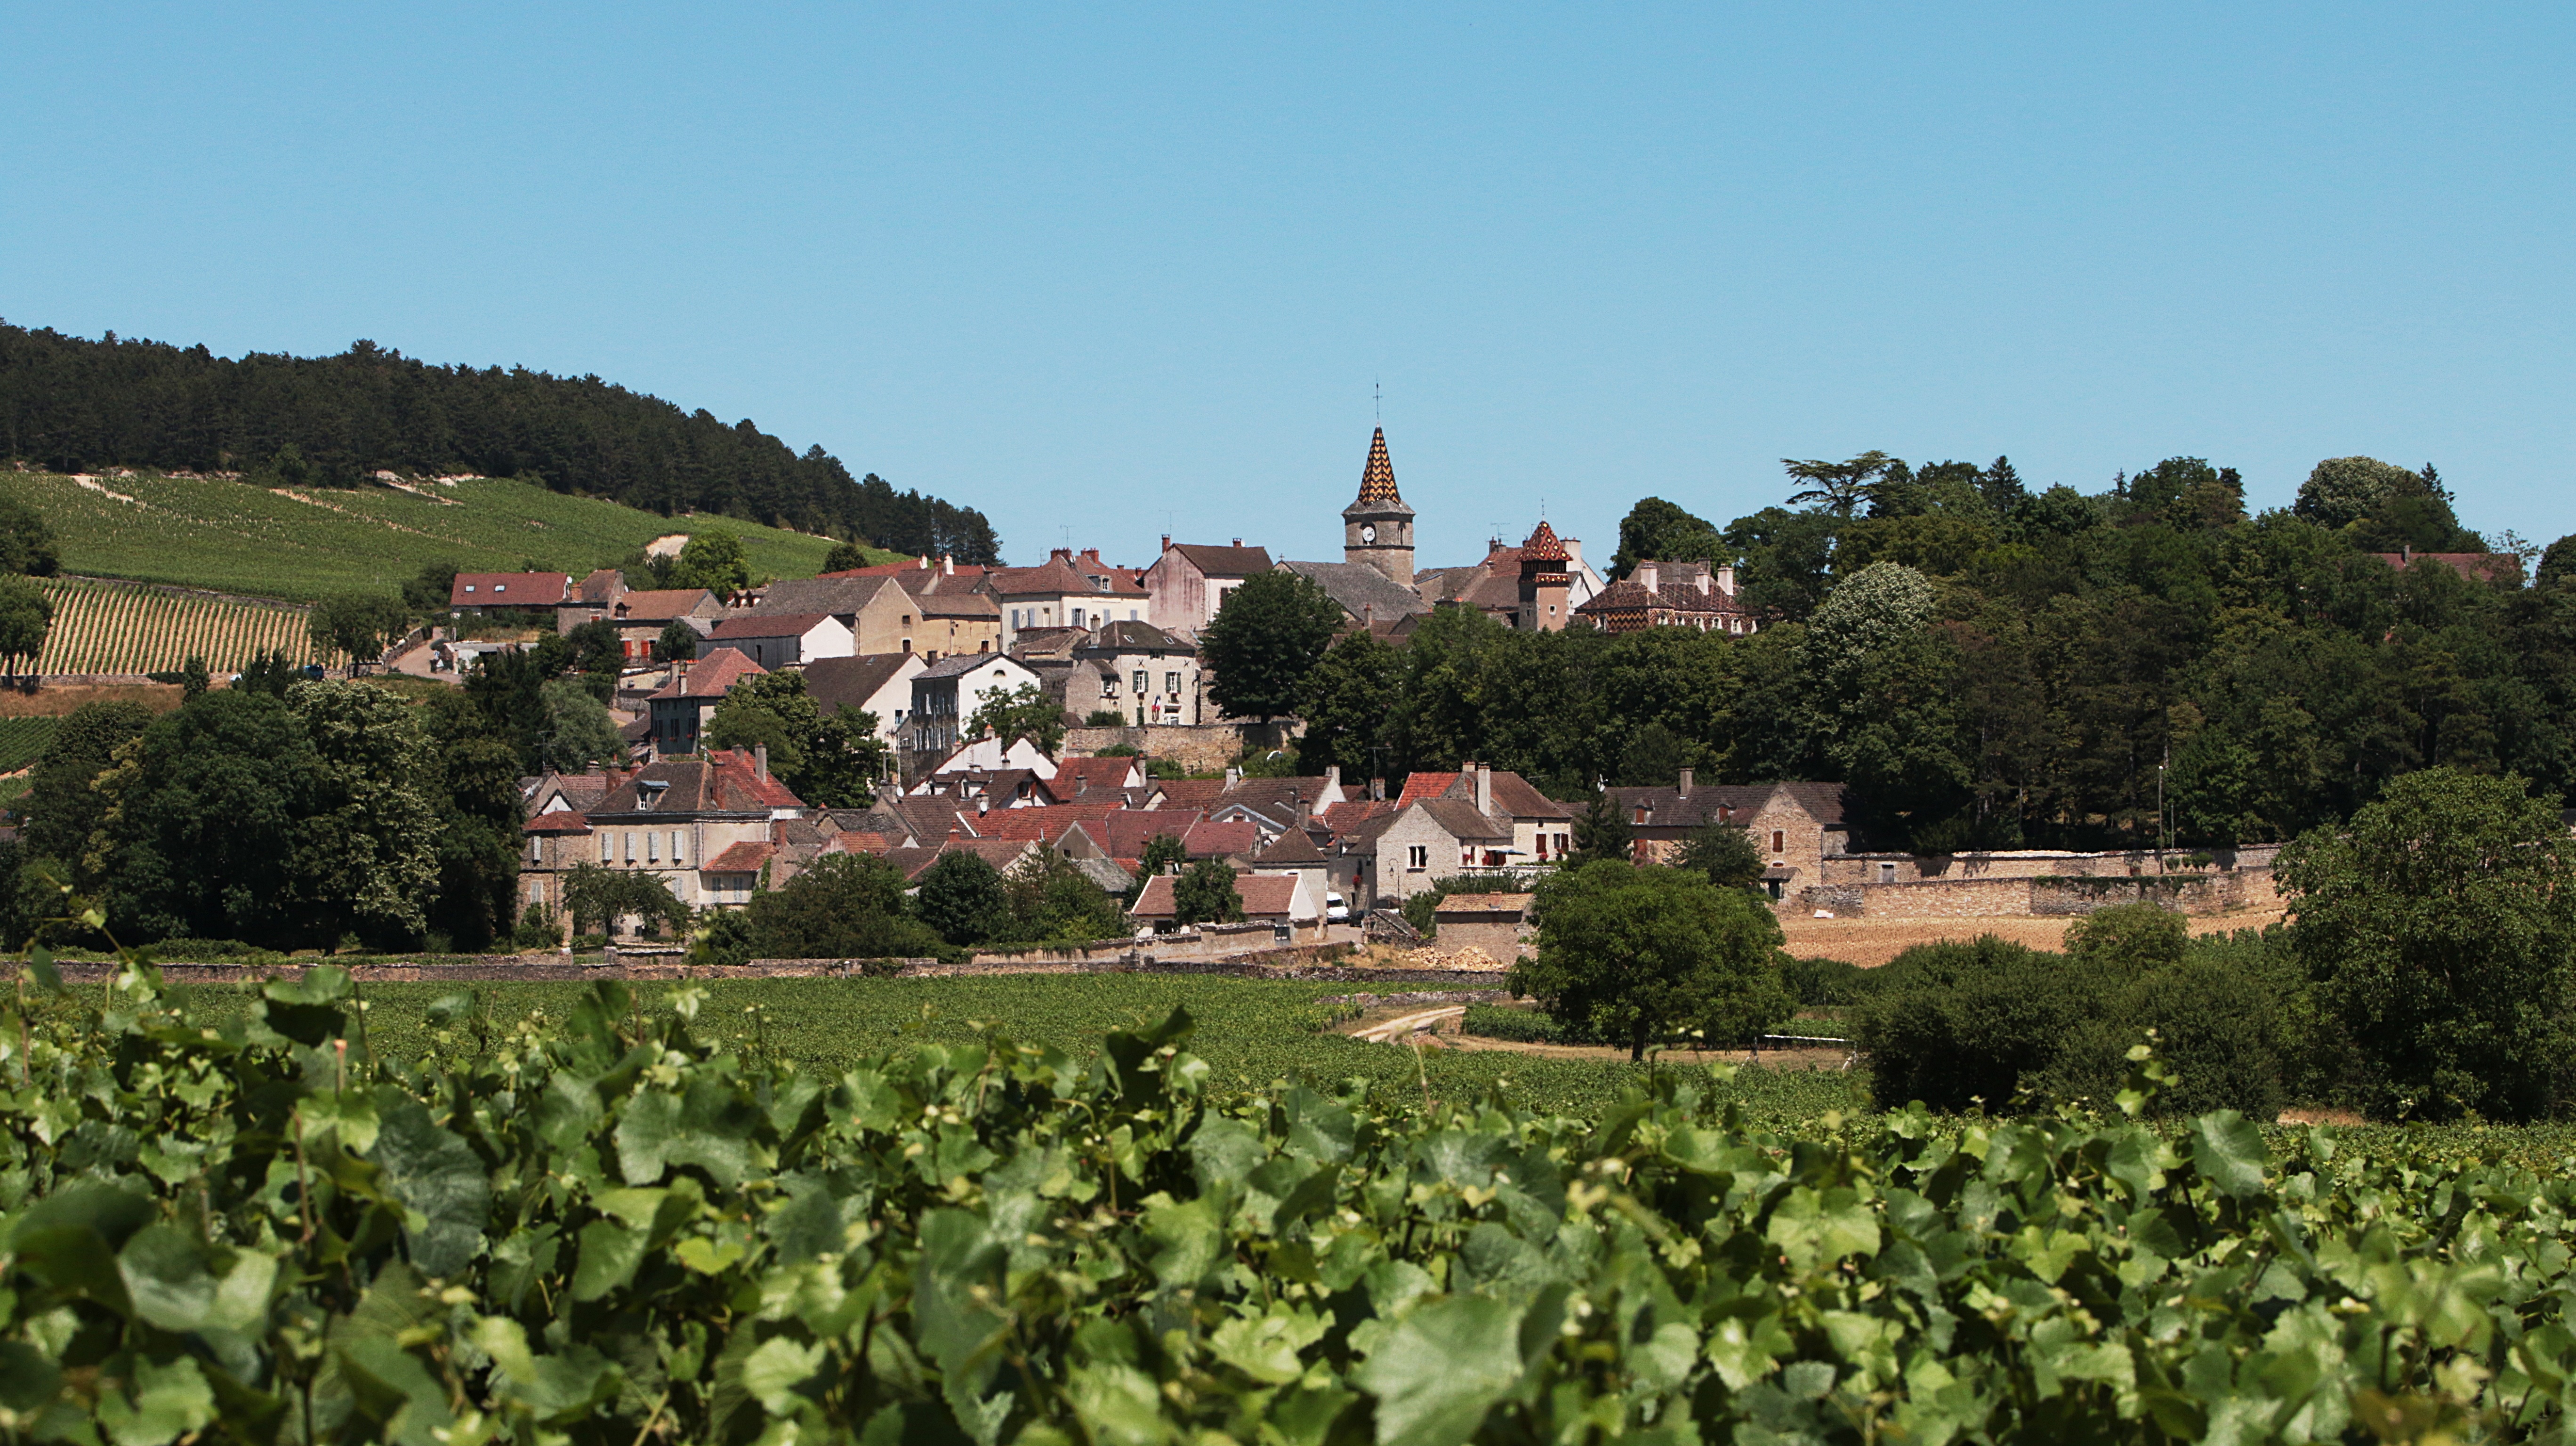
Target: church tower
1378 528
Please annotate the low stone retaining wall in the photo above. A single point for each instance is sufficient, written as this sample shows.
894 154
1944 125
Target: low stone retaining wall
1198 747
2060 897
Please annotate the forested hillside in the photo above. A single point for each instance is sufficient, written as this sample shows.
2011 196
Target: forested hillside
73 405
1992 666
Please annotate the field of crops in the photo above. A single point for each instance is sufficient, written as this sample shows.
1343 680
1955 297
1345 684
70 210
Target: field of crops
1251 1032
21 739
620 1224
109 628
239 538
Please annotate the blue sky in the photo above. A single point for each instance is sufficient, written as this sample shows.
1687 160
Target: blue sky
1107 271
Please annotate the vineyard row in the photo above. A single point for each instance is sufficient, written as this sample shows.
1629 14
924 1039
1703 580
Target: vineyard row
105 629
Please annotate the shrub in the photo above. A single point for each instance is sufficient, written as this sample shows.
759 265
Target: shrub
1828 983
1521 1026
1955 1025
845 906
1105 718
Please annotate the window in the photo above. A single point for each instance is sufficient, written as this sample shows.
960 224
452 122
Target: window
1015 618
1887 873
1642 813
535 850
1141 680
1075 617
1108 685
907 645
1779 840
630 848
1172 684
675 846
608 848
1417 857
652 847
907 620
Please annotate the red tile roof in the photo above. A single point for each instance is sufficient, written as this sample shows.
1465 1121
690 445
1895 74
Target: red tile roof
742 858
509 589
713 676
1129 829
1042 824
1265 896
1077 779
1419 787
1217 840
659 605
562 820
1543 546
1191 793
2475 566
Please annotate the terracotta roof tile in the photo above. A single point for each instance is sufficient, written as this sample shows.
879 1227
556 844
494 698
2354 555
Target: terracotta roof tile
712 676
509 589
742 858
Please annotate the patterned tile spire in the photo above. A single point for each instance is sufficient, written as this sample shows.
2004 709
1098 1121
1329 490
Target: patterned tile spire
1377 480
1543 546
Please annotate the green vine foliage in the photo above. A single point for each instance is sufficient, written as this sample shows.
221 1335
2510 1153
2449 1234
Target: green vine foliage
605 1229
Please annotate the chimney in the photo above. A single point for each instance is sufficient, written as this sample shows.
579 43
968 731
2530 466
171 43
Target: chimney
1377 790
2405 554
1649 576
1726 579
947 565
1233 776
1061 554
1238 542
1485 789
983 803
1683 787
925 562
760 760
1332 776
1167 542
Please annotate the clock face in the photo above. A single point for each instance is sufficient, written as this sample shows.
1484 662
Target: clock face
1368 532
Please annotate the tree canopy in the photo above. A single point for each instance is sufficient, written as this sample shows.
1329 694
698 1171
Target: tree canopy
1629 953
74 405
1264 641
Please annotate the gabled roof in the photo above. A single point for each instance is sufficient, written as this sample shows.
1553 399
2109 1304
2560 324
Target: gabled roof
1544 546
1225 561
1458 818
944 603
1044 825
1128 830
603 586
560 821
1291 847
1712 803
1350 816
1276 799
1628 593
1001 853
1218 840
836 594
924 565
712 676
1513 795
958 665
742 858
725 781
1084 780
1265 896
1421 786
1049 578
838 683
509 589
1132 636
1363 591
660 605
765 624
1198 794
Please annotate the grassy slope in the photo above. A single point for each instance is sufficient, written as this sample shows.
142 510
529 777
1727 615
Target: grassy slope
240 538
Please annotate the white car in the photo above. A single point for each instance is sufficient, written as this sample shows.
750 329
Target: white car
1336 911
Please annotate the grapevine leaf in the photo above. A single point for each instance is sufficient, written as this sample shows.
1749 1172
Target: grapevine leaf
2228 1152
1438 1370
438 1178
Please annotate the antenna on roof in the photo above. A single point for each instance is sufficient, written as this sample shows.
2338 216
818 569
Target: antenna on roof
1377 399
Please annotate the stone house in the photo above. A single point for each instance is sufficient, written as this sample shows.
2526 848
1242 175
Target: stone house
878 683
684 819
1277 899
1059 594
1498 924
781 640
1136 669
1366 594
880 615
1798 828
1189 582
640 616
1400 853
1670 595
1542 828
1535 587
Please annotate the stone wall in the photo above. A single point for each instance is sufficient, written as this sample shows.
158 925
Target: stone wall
1205 941
2057 897
1199 748
2040 864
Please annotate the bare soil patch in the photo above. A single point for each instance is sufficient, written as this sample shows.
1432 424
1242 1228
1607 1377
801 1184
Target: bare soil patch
60 699
1873 940
2321 1117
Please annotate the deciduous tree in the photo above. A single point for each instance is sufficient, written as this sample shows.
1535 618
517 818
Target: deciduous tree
1629 953
1264 641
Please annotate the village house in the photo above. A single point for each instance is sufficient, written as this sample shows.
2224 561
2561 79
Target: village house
1542 828
1139 672
1796 827
687 820
492 592
1535 587
1189 582
1403 851
880 615
781 640
1670 595
945 697
640 616
1059 594
681 709
874 683
1279 900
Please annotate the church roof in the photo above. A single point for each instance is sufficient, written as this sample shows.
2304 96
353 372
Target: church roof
1377 484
